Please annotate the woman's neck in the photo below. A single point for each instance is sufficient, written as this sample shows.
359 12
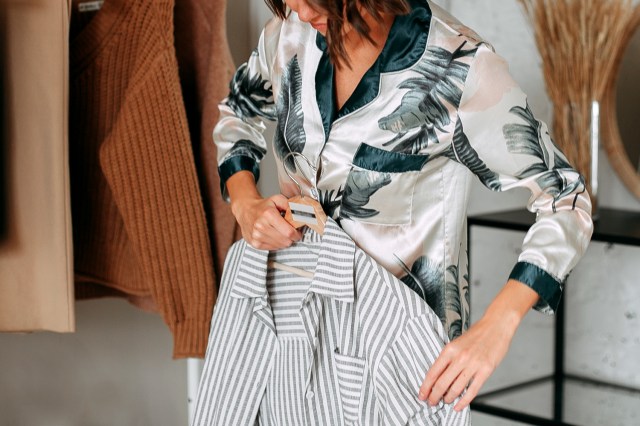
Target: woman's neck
362 54
378 32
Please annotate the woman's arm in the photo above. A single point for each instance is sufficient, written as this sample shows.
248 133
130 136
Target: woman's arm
500 141
470 359
241 146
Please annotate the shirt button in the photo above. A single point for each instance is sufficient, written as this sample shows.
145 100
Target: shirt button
310 394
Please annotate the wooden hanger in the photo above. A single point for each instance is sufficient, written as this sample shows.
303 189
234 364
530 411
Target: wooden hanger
304 210
284 267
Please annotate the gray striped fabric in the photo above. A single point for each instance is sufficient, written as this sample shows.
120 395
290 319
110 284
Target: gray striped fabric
350 346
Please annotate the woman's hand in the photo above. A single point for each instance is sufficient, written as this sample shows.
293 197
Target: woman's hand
260 219
262 224
468 361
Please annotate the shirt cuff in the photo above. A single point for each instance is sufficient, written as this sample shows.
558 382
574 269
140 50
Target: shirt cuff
234 165
548 287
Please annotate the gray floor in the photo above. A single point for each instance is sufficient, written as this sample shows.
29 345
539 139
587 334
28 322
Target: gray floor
116 370
584 405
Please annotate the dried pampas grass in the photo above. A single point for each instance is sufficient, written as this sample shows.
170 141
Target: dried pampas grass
581 44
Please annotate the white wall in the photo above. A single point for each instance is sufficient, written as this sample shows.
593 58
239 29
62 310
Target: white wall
117 369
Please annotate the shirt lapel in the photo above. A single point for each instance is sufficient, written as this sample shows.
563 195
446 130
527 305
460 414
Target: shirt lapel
251 283
333 282
333 276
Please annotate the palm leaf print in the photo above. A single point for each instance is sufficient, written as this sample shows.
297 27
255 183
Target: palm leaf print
441 63
444 72
528 139
578 187
555 183
552 182
426 278
531 170
360 186
414 143
246 148
559 160
250 95
455 302
442 75
455 329
290 135
462 152
330 201
416 109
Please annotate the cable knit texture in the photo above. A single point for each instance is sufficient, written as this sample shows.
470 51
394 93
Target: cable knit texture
138 220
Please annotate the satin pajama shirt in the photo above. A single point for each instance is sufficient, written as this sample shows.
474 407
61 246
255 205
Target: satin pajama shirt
394 165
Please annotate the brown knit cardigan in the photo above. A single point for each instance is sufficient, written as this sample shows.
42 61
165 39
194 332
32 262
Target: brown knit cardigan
138 221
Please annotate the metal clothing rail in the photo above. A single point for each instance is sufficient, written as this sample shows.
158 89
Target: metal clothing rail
194 371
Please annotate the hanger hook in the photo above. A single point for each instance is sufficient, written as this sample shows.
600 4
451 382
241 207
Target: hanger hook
286 169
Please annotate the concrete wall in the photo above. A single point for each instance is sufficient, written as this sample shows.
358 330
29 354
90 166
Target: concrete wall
117 369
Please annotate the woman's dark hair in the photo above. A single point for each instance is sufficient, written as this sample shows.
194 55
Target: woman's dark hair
337 11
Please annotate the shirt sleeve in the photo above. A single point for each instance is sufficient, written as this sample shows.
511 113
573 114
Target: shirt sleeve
501 142
402 370
238 134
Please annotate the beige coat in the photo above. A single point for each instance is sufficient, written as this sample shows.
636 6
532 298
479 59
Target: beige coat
36 273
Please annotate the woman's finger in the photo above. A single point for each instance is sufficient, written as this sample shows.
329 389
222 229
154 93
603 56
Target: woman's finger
444 382
280 201
282 227
474 387
265 237
433 374
458 386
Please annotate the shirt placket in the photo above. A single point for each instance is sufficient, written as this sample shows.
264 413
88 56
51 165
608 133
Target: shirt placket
311 315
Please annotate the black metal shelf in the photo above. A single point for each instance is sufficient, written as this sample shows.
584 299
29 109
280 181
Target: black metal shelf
612 226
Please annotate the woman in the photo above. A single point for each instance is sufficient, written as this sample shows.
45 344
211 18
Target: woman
396 105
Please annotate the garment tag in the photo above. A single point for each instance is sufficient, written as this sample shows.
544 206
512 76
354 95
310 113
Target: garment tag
303 213
90 6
